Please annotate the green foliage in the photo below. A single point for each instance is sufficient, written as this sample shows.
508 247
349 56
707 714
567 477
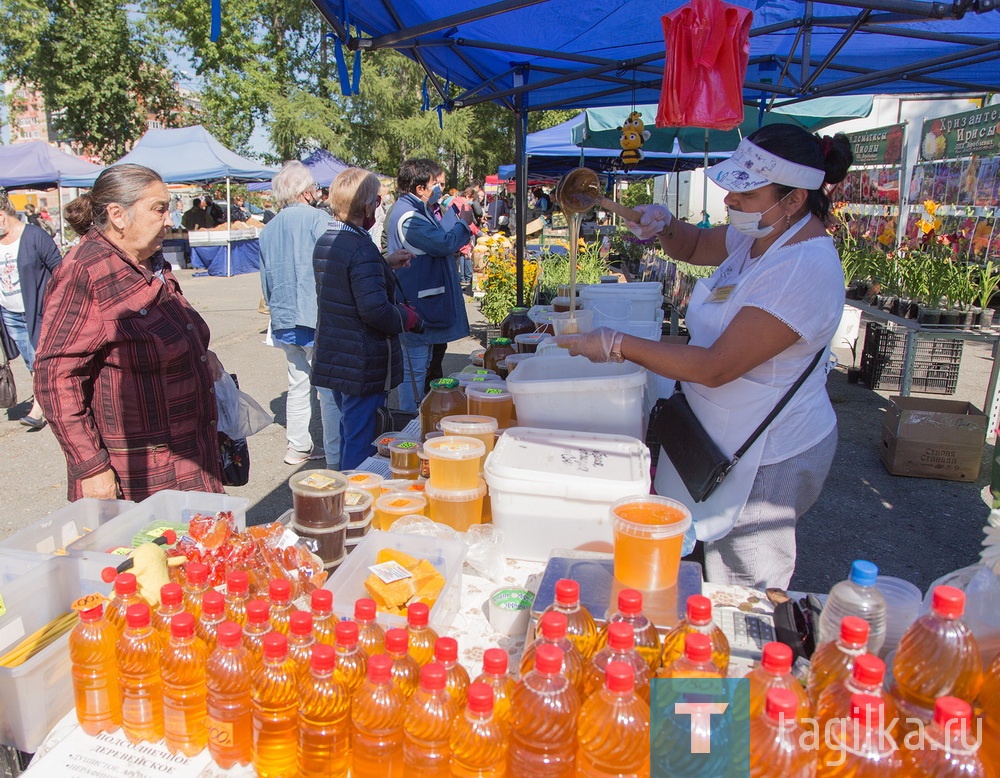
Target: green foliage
590 266
987 283
98 72
638 193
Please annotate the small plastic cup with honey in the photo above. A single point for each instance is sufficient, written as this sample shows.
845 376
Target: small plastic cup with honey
454 461
495 401
361 479
482 428
394 505
457 509
648 534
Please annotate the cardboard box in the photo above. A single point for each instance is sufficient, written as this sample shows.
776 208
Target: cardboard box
927 438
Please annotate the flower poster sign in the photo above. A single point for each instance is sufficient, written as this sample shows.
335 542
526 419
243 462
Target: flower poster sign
880 146
969 134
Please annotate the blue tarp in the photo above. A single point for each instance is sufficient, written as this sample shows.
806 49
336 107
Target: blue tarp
245 258
591 53
191 154
37 164
323 165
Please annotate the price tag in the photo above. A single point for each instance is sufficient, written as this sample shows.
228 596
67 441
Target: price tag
317 481
88 602
354 498
121 551
3 608
388 572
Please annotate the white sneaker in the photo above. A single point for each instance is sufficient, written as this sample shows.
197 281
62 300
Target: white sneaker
295 457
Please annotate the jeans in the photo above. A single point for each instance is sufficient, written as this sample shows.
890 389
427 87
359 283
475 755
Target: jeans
17 328
465 269
298 403
357 425
415 362
332 428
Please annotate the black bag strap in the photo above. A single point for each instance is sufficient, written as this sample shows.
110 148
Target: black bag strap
774 412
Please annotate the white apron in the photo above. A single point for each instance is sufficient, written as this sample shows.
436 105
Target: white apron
729 413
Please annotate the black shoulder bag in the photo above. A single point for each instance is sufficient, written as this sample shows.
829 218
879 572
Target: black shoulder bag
699 462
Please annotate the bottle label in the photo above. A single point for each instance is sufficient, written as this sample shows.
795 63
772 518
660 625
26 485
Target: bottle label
220 733
389 572
85 603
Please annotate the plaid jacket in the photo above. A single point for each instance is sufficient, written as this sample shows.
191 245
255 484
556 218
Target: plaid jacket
122 377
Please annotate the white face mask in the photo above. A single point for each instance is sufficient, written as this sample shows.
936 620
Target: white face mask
748 222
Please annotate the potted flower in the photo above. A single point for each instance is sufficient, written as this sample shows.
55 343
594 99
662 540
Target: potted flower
936 282
988 282
853 372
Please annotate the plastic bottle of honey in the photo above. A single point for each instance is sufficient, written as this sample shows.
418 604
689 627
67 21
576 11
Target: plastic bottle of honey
377 712
866 677
950 748
126 594
613 730
989 701
774 671
620 648
405 670
324 719
862 748
274 694
279 592
227 675
258 624
184 690
444 399
580 626
776 749
371 637
695 662
832 662
478 740
422 637
698 618
351 666
195 586
457 677
171 603
324 619
495 675
647 639
137 654
301 642
213 613
427 726
95 682
237 596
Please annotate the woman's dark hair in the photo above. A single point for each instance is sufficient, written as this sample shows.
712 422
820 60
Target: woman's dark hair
832 155
122 184
416 172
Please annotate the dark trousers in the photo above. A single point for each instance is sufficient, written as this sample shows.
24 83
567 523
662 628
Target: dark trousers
357 427
435 368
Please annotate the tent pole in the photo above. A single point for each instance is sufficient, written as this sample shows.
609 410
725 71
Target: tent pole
229 232
521 195
704 194
62 228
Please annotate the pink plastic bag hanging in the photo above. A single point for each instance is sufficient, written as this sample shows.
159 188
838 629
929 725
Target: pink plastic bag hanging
708 47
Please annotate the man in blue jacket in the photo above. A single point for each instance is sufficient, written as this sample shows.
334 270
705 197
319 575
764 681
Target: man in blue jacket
431 282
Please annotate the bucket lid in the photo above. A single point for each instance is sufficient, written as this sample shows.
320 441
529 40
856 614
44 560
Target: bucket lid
457 495
401 502
651 530
444 384
318 483
302 531
363 479
404 446
402 485
463 425
532 338
455 447
488 393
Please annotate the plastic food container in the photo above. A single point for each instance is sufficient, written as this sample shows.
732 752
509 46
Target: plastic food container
458 509
370 482
560 304
358 505
425 465
405 475
527 342
326 543
903 601
59 529
494 401
318 497
573 323
467 380
573 393
510 610
553 488
395 505
476 357
516 359
358 529
447 556
649 533
454 461
37 694
403 455
383 442
613 304
483 428
401 485
168 507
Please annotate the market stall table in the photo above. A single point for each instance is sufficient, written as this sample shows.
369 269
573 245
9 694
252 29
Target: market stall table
245 258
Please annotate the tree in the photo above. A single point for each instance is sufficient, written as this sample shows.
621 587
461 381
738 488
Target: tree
99 73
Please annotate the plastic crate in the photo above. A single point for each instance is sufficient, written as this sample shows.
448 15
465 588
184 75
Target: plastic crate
168 506
447 556
935 366
59 529
35 695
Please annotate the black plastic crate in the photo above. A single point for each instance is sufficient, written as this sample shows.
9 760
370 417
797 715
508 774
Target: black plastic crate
935 365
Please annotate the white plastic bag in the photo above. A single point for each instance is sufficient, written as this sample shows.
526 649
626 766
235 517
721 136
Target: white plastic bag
484 541
240 416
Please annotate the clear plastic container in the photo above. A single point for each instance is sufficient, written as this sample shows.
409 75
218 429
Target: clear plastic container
775 672
59 529
478 738
405 475
951 747
494 401
457 509
514 360
454 461
377 724
860 749
573 322
482 428
403 455
902 601
697 618
318 498
989 701
427 725
498 350
649 534
359 505
326 543
383 442
370 482
528 343
832 662
857 596
647 639
394 505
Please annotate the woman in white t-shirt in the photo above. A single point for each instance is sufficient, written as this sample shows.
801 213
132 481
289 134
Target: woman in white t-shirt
757 324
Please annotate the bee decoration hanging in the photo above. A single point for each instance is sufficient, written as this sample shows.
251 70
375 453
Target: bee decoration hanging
634 134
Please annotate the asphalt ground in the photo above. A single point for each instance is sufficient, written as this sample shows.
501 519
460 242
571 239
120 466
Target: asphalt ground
917 529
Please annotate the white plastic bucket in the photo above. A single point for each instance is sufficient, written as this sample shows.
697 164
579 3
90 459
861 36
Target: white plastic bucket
624 302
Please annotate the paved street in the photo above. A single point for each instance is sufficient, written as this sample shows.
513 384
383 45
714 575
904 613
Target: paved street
914 528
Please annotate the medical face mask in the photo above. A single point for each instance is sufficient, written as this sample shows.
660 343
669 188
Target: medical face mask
748 222
435 194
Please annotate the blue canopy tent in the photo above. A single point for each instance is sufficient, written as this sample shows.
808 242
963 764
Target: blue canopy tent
192 154
323 165
544 54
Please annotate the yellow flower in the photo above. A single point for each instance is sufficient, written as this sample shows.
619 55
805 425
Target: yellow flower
888 236
931 207
926 226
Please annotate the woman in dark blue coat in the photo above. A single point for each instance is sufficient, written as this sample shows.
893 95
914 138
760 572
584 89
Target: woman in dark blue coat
28 255
357 355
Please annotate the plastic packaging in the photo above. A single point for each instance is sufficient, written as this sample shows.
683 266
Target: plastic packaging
938 656
544 711
328 543
227 675
552 629
185 692
422 637
902 600
427 725
454 461
857 596
516 323
403 455
647 639
377 712
371 637
456 677
274 696
279 591
370 482
648 540
620 648
776 749
832 662
613 731
698 618
860 749
482 428
491 400
774 671
444 399
529 342
458 509
318 498
695 662
95 683
478 741
301 642
213 613
391 507
405 671
352 663
580 626
137 655
324 719
495 675
240 416
258 624
324 619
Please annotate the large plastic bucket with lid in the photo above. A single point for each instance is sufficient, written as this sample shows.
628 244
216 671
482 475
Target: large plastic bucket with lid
616 303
